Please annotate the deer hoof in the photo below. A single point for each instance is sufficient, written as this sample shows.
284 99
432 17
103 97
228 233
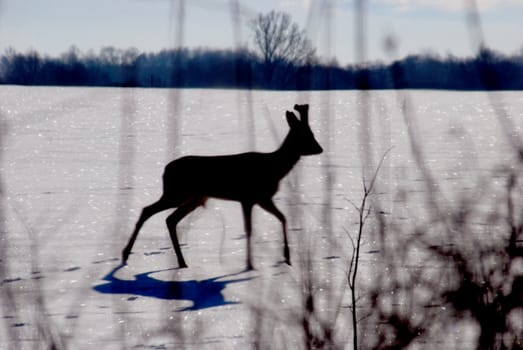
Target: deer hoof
125 256
287 255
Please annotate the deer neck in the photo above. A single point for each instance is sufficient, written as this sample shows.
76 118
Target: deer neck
285 157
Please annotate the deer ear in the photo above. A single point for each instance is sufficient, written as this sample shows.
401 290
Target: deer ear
291 119
304 112
305 115
304 107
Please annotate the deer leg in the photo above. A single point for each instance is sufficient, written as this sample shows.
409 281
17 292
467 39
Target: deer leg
173 220
147 212
269 206
247 219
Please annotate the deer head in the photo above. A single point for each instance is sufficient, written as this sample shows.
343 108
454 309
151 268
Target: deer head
300 135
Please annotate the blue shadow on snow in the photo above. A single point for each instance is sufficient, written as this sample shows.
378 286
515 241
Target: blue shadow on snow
203 294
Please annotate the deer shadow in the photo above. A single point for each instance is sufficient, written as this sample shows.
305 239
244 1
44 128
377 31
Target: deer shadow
203 294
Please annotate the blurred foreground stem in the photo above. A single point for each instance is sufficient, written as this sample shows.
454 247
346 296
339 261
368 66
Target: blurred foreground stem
364 211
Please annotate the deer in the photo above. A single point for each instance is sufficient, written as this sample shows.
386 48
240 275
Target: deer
250 178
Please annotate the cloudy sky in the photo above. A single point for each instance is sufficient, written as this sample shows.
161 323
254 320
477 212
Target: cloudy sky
417 26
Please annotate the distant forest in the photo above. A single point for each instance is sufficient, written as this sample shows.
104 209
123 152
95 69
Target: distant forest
206 68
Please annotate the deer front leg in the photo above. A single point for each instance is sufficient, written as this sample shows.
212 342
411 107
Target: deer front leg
172 221
271 208
247 219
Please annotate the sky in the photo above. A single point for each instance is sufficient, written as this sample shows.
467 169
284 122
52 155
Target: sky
414 26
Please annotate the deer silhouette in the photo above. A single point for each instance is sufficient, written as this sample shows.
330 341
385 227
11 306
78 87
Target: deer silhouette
249 178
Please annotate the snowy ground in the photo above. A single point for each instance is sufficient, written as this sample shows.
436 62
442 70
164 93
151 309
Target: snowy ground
78 164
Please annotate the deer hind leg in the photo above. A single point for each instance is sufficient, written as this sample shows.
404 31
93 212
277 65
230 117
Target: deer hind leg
269 206
147 212
173 220
247 219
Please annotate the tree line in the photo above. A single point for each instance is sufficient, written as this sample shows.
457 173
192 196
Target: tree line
205 68
283 58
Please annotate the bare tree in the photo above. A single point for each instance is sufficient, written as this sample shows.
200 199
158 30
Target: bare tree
280 42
